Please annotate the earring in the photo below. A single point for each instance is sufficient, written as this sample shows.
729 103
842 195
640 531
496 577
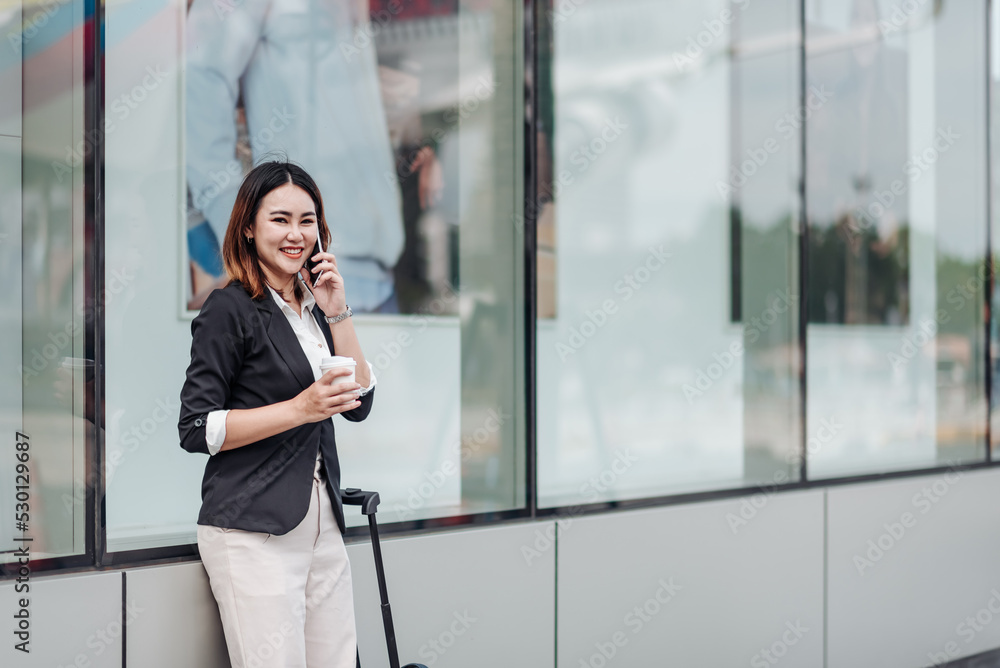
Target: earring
249 240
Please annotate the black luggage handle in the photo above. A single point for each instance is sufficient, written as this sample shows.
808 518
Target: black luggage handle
352 496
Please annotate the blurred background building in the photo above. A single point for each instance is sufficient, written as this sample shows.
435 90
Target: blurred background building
681 314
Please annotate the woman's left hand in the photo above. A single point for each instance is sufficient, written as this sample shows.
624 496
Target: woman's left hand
329 289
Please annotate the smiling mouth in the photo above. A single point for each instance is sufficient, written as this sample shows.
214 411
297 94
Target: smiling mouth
292 252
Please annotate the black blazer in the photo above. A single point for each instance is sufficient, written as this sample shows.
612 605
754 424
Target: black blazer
244 354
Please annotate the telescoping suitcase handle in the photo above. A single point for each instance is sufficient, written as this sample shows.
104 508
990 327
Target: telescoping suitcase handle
369 501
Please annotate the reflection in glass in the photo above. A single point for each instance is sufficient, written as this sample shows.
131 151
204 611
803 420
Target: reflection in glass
858 133
764 233
404 111
48 373
646 385
994 194
895 197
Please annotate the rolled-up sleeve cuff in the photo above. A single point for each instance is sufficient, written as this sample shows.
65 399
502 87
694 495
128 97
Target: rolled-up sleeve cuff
215 431
371 385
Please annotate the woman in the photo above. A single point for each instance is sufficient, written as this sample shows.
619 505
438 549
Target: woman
271 521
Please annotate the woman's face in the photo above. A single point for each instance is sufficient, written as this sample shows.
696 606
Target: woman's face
285 232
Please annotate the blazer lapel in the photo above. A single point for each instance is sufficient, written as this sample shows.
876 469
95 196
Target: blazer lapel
285 342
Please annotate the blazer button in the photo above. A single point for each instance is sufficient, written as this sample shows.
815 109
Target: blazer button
199 422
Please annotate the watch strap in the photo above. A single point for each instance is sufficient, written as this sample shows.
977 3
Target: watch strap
343 316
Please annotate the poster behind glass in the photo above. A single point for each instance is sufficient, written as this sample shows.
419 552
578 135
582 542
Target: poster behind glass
362 95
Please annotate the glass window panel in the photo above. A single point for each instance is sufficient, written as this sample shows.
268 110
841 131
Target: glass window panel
48 367
667 339
896 196
994 148
416 94
11 390
765 163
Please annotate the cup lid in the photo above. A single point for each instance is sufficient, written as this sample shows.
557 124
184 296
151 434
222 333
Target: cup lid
338 360
77 362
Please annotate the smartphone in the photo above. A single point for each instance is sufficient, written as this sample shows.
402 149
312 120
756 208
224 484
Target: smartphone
310 264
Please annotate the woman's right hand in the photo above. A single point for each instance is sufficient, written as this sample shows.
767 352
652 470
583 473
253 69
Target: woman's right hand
328 396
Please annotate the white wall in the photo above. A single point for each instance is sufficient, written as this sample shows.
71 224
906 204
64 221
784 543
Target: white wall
736 593
709 584
472 594
908 562
76 620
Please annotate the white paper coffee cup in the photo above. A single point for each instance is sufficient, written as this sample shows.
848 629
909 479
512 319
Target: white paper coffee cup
328 363
78 365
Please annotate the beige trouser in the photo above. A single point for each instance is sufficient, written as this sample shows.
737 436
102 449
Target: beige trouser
285 601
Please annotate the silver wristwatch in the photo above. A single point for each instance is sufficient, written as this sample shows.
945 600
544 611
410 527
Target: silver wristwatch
343 316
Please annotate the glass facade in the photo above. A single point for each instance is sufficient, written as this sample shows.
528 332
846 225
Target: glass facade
362 102
49 376
897 212
599 251
667 361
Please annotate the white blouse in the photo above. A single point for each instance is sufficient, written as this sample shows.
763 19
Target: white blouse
313 344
